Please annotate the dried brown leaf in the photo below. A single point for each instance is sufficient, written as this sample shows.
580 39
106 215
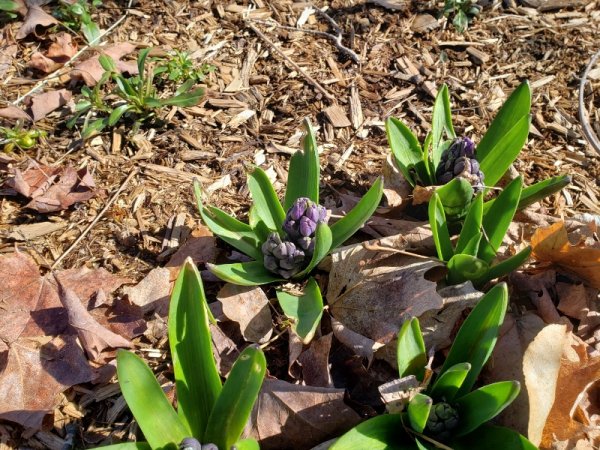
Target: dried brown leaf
299 417
552 245
249 307
7 55
152 293
90 71
315 362
35 20
201 246
43 104
94 337
15 113
373 293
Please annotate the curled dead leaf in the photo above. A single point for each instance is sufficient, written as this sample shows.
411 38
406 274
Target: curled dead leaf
551 244
35 21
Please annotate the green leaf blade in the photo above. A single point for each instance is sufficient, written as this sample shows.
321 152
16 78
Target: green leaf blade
483 404
493 438
240 391
323 244
478 334
355 219
446 386
498 218
505 267
411 353
304 172
462 267
378 433
305 310
516 107
156 417
191 349
471 225
231 230
418 411
266 203
184 100
251 273
441 122
439 229
405 147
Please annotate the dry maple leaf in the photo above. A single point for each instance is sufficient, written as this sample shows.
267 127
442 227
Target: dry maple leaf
59 52
90 71
551 244
43 104
35 19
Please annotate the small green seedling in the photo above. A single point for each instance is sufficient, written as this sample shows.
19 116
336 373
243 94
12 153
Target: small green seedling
179 67
138 99
17 137
462 168
445 412
9 9
207 411
287 241
77 16
481 235
463 10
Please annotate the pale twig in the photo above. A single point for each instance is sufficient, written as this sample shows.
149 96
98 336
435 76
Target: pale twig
61 71
381 248
310 79
96 219
336 40
589 134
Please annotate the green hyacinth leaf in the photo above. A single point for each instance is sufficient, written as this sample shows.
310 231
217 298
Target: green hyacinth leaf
506 150
439 229
410 350
516 107
477 335
184 100
356 218
483 404
231 230
472 247
441 122
447 384
246 444
157 419
130 446
323 244
240 391
117 113
492 437
378 433
456 197
472 225
304 173
406 150
505 267
266 203
305 310
196 375
464 267
498 218
418 411
252 273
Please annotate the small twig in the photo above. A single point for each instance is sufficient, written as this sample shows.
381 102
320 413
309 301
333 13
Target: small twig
314 82
336 40
61 70
329 19
381 248
588 132
96 219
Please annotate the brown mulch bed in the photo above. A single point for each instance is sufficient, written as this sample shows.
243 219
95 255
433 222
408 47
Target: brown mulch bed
252 114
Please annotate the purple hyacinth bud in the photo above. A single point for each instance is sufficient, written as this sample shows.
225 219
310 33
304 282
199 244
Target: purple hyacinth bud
312 212
190 444
307 227
475 166
298 208
282 256
458 161
467 147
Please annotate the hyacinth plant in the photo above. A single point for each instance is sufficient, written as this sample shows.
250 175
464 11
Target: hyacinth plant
287 241
481 234
443 412
461 167
210 415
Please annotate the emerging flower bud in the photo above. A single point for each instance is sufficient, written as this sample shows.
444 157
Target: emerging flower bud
282 257
443 418
190 444
301 222
458 161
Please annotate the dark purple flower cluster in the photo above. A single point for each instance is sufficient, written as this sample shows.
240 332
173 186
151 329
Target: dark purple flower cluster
459 161
282 257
